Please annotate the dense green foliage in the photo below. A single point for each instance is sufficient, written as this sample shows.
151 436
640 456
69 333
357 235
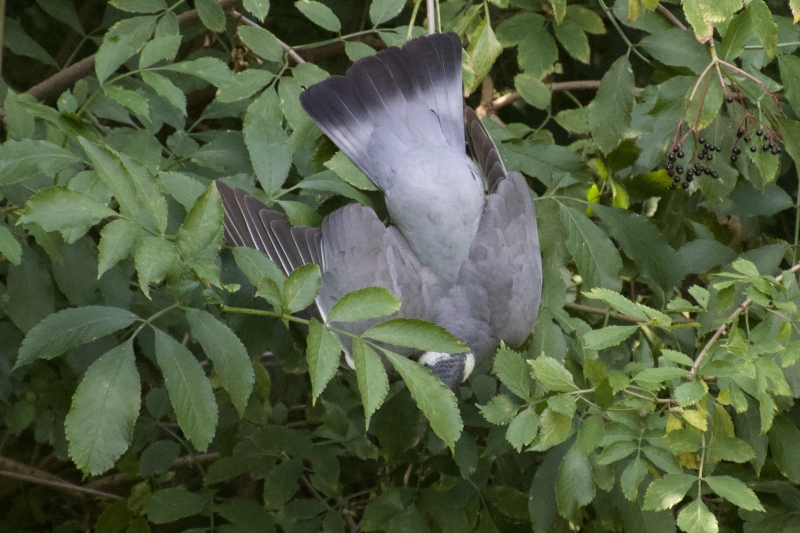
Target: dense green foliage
152 379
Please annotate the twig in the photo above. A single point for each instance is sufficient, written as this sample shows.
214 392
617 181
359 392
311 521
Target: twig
13 469
58 82
723 328
620 316
351 525
286 48
670 17
186 460
431 7
576 85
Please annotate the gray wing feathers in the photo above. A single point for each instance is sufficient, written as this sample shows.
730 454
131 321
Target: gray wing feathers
505 260
248 222
484 150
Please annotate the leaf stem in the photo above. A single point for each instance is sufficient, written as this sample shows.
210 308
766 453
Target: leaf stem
616 25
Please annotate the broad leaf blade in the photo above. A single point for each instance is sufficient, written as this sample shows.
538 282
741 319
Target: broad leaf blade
372 380
363 304
415 333
322 352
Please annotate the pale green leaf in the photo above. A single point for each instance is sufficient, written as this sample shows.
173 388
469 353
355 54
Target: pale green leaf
159 49
415 333
667 492
189 390
65 210
20 160
363 304
598 339
70 328
735 491
500 410
552 374
523 429
510 367
381 11
229 355
201 229
270 151
574 485
211 69
139 6
117 240
259 8
257 266
349 172
129 99
211 14
696 518
435 400
322 353
263 43
105 406
482 51
165 88
153 258
121 42
610 114
373 382
169 505
532 90
597 259
9 246
302 287
319 14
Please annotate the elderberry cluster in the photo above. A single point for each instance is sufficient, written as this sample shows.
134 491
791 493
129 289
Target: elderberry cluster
770 145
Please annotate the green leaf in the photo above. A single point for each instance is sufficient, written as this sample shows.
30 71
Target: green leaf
597 259
65 210
169 505
9 246
121 42
598 339
139 6
415 333
510 367
270 151
574 40
483 50
666 492
117 240
211 14
130 99
201 230
356 50
159 49
165 88
704 14
500 410
696 518
435 400
189 390
574 485
731 449
322 352
329 181
153 258
70 328
229 355
105 406
20 160
660 375
790 75
319 14
363 304
552 374
257 266
211 69
22 44
533 91
610 114
616 451
736 35
373 382
591 433
29 298
158 457
348 171
631 478
509 501
523 429
784 443
302 287
763 26
662 46
381 11
735 491
261 42
643 243
259 8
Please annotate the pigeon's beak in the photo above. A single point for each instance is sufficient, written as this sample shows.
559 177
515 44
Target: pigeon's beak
452 369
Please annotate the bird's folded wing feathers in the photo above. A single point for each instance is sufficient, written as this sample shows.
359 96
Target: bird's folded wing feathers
483 149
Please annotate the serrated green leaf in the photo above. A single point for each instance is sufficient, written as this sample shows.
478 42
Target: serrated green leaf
373 383
169 505
121 42
574 484
510 367
105 406
763 26
302 287
341 165
153 259
211 14
667 492
9 246
731 449
229 355
523 429
322 352
735 491
270 151
591 433
319 14
533 91
165 88
500 410
70 328
259 8
736 35
784 445
159 49
20 160
608 336
483 50
552 374
363 304
415 333
211 69
616 451
257 266
597 259
64 210
435 400
574 40
625 306
555 427
696 518
129 99
139 6
660 375
201 231
263 43
189 390
610 115
117 240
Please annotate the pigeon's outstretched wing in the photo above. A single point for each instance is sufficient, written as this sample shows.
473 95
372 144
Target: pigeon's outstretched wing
505 262
398 115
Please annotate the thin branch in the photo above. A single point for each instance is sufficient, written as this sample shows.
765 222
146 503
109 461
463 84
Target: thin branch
351 525
620 316
58 82
670 17
186 460
16 470
431 7
286 48
724 327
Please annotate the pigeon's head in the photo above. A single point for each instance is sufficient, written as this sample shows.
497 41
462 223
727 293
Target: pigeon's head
452 369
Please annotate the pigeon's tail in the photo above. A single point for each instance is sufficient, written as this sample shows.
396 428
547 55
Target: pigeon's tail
248 222
484 150
414 92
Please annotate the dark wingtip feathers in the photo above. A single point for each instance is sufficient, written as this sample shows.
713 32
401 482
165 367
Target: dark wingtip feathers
483 149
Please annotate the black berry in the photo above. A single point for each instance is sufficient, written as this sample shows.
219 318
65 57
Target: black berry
671 157
733 159
718 148
774 151
673 186
729 99
736 151
701 140
689 173
766 136
747 138
739 132
679 169
675 148
709 157
752 148
779 149
685 185
759 132
715 174
707 146
701 156
680 155
765 147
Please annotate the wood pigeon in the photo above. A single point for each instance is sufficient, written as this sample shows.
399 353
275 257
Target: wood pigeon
454 255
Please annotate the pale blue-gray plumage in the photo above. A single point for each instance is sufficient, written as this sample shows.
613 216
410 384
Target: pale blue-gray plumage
453 255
